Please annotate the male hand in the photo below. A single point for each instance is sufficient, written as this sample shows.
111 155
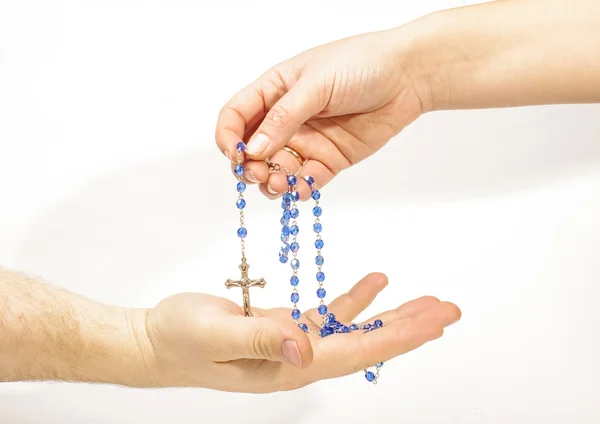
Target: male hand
205 341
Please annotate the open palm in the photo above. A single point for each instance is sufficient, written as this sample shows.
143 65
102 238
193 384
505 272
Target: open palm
230 352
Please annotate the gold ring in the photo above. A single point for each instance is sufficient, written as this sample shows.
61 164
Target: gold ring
294 153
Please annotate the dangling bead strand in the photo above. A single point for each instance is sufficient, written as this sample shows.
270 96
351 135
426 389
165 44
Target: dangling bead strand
290 229
290 199
242 232
319 260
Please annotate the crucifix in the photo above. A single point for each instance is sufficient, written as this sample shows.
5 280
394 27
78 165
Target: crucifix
245 283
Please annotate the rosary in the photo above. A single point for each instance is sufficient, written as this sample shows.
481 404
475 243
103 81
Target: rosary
289 230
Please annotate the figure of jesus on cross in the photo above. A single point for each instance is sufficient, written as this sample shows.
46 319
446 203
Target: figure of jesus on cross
245 283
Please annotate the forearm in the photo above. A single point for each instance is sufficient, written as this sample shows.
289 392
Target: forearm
51 334
509 53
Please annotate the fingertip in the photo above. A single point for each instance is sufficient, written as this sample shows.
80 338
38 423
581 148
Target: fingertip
380 279
258 172
375 280
296 347
454 314
227 155
277 184
257 146
264 190
304 190
306 352
443 314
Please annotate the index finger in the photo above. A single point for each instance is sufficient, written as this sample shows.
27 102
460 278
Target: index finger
244 111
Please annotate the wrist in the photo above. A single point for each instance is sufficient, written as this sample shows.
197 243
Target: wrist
505 54
47 333
432 59
421 62
117 348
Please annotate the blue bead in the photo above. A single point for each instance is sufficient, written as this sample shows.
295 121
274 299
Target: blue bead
378 323
326 331
287 214
353 327
317 227
330 319
242 232
317 211
284 221
287 197
241 146
316 194
295 196
283 258
296 314
294 280
379 365
310 180
294 230
295 264
241 203
321 293
241 187
295 213
320 277
322 309
283 238
285 205
303 326
345 329
369 376
294 247
367 327
285 247
319 244
291 180
239 170
319 260
295 297
285 231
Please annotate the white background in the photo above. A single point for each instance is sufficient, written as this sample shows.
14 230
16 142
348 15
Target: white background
111 186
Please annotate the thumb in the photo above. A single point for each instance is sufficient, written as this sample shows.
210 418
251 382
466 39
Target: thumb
263 338
303 101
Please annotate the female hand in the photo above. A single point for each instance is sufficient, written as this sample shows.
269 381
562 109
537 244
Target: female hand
205 341
335 105
339 103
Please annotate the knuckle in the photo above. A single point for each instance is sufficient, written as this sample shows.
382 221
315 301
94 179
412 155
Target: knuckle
278 117
260 343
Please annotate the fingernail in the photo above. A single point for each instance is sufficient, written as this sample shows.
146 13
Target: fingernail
290 352
226 153
250 176
270 189
257 144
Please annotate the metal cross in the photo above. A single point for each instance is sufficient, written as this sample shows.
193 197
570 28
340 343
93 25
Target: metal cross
245 283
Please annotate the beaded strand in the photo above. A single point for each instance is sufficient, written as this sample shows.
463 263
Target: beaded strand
290 228
242 232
